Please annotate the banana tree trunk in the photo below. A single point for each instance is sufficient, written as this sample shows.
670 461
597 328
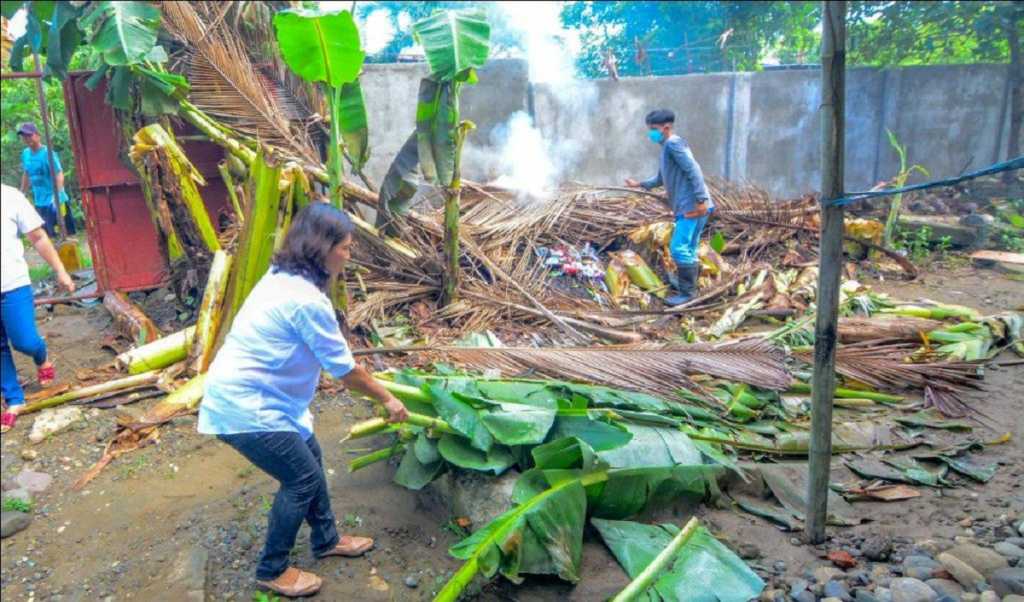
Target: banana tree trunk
452 196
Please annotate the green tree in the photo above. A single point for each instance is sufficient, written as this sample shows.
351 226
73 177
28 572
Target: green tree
671 37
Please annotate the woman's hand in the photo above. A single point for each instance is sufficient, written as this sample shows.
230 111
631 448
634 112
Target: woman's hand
65 282
396 410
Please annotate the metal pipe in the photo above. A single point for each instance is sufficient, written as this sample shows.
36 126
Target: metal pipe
49 143
71 299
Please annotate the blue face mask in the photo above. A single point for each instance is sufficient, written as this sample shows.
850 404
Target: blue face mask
656 136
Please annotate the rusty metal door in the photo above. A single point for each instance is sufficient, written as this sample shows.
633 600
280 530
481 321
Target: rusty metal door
122 238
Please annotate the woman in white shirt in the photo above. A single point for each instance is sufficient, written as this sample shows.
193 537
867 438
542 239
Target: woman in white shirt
263 378
18 327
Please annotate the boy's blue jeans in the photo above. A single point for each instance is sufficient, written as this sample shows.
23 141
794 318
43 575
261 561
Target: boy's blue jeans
18 330
685 243
298 465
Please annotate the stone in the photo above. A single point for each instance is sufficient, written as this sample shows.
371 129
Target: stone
805 596
905 589
969 597
475 496
946 587
36 482
884 594
29 455
1009 550
877 548
983 560
748 551
779 566
836 589
12 521
989 596
1013 598
842 559
1017 541
931 547
858 578
52 421
830 599
966 523
824 574
964 573
187 577
798 585
863 595
1008 581
412 581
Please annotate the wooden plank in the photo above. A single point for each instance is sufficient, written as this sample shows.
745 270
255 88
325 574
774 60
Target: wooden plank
999 256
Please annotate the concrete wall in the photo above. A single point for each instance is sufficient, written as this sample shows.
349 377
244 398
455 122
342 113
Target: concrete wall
391 90
764 127
761 128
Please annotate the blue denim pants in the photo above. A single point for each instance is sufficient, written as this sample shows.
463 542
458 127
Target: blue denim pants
685 243
18 330
298 465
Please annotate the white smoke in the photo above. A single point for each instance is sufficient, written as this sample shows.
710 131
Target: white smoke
528 159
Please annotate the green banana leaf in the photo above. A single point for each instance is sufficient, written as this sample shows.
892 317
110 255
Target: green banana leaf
320 46
437 120
415 474
543 533
400 183
355 131
462 417
455 43
651 446
457 450
123 33
65 36
515 424
703 570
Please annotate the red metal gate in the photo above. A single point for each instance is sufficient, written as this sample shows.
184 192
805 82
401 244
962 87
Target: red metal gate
122 238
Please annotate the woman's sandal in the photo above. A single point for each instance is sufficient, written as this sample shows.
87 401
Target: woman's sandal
293 583
350 546
7 421
45 375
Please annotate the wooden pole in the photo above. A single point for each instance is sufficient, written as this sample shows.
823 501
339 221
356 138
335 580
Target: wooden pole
44 111
833 82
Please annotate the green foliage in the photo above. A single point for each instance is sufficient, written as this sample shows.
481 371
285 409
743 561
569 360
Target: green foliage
929 33
896 203
17 505
677 37
124 33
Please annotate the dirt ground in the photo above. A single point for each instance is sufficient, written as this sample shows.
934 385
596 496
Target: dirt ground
123 537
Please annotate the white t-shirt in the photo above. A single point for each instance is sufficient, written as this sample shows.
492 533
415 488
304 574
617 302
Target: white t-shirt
17 218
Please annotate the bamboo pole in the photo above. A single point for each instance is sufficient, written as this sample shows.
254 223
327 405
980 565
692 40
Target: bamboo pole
833 82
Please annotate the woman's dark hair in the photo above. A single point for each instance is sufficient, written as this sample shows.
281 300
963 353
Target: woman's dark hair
313 233
660 117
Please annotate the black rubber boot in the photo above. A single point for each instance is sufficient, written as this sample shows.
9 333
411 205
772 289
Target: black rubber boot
687 275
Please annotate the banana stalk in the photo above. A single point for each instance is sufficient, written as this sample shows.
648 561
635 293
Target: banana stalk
161 353
137 380
211 311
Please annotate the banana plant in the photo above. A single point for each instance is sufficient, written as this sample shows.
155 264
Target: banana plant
456 44
324 47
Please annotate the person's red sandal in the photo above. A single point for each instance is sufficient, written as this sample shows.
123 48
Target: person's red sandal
45 374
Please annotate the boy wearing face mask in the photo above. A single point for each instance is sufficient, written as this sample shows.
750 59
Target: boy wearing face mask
687 195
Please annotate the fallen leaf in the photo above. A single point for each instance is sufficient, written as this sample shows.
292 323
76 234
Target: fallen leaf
842 559
378 584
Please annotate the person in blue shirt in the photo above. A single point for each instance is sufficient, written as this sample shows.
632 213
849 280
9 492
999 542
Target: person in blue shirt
261 382
687 196
35 178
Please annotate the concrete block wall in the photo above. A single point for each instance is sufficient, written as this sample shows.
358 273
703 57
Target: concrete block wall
762 128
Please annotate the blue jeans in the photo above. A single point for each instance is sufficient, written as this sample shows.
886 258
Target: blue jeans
685 242
298 465
18 330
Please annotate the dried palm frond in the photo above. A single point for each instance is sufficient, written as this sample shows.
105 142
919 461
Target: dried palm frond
655 369
884 365
226 85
